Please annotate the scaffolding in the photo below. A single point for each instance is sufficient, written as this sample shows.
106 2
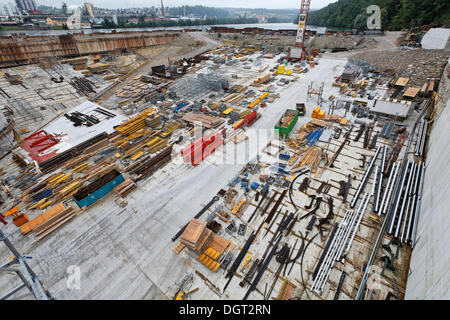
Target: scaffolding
24 272
315 91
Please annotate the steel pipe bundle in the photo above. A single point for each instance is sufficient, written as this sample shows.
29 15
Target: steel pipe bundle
380 182
342 240
421 136
417 209
405 211
411 192
365 178
397 199
386 221
404 199
389 187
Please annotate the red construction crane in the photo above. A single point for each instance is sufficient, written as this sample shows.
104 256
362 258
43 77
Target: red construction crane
298 52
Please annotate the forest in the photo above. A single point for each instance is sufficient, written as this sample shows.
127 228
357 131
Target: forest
395 14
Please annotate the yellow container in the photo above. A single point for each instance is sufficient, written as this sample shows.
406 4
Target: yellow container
281 69
321 114
288 72
315 112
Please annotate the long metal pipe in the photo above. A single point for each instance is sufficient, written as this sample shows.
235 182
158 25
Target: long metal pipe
347 233
424 136
413 205
342 225
374 183
419 138
387 191
408 210
404 200
395 204
335 252
357 225
344 240
419 201
365 178
376 247
394 181
380 181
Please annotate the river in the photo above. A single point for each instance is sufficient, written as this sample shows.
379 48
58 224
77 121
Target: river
271 26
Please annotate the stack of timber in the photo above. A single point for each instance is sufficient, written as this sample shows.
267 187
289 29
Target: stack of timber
125 188
206 120
196 236
48 221
148 165
136 123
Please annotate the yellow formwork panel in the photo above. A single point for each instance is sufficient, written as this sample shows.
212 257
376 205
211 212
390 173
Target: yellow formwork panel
137 155
56 178
42 206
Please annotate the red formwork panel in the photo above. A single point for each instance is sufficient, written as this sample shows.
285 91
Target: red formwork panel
251 118
38 142
201 148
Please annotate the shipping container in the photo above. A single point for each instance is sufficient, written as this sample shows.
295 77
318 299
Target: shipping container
285 129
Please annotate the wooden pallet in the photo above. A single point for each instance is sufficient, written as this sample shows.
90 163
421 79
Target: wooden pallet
179 247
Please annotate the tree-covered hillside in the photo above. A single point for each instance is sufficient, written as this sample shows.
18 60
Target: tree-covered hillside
395 14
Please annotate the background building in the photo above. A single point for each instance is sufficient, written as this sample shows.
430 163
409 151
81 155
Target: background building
89 9
26 5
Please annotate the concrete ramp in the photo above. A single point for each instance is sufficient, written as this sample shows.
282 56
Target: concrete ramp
436 38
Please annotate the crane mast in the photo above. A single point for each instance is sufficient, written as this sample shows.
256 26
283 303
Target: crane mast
299 50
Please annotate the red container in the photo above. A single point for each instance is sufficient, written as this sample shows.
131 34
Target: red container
251 118
197 151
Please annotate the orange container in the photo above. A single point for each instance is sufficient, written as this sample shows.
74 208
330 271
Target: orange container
321 115
20 219
315 112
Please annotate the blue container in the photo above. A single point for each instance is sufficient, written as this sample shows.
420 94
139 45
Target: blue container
98 193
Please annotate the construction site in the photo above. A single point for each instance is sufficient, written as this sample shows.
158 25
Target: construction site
186 165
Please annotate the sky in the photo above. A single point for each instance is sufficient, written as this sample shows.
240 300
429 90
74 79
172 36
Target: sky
270 4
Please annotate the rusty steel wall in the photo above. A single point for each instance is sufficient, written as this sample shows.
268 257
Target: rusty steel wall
20 50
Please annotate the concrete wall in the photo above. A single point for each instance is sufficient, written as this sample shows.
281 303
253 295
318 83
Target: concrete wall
430 262
20 50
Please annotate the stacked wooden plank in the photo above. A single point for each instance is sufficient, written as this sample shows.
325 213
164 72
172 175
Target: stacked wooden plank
47 215
286 290
262 79
132 89
411 93
230 96
196 236
136 123
125 188
236 99
147 165
206 120
50 225
75 161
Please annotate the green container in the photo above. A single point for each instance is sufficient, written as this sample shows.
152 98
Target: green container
285 131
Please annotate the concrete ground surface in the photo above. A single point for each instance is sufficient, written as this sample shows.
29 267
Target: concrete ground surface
126 253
